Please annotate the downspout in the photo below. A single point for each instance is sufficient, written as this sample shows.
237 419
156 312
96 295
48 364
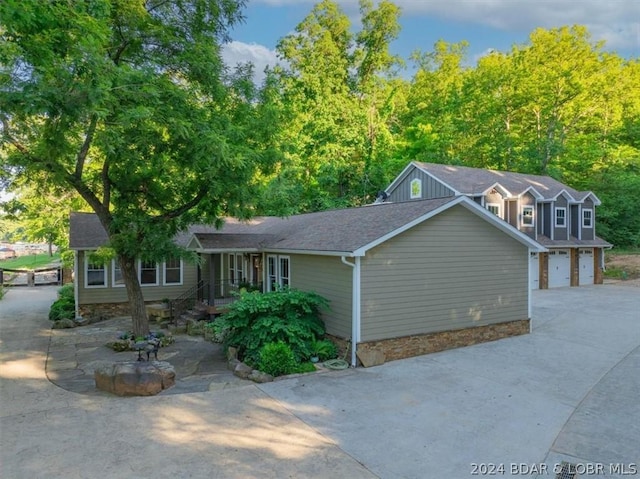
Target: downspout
529 292
355 307
76 286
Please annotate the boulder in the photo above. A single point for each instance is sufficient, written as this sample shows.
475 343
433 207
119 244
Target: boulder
242 370
260 377
135 378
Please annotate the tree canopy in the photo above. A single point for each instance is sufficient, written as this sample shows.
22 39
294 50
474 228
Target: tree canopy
129 104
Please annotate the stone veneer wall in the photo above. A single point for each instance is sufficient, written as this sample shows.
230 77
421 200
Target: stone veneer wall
104 310
417 345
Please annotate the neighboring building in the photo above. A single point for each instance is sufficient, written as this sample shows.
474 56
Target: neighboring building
7 253
405 278
558 217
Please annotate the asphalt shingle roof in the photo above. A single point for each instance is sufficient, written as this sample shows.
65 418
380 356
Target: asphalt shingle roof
474 181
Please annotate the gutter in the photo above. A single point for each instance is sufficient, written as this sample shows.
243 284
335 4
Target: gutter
355 306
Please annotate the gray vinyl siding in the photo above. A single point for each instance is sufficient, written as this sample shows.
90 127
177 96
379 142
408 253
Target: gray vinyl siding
560 233
110 294
575 220
495 198
540 218
548 219
588 233
431 188
512 213
528 200
330 278
454 271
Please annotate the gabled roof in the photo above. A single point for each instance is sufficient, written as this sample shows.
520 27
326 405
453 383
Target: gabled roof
476 181
348 231
86 232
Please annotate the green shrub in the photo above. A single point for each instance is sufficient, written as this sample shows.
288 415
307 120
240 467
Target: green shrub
256 319
324 349
277 359
64 306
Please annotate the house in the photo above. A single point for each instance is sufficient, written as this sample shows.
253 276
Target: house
558 217
404 278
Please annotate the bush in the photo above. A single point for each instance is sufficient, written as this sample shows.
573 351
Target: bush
277 359
64 306
323 349
288 316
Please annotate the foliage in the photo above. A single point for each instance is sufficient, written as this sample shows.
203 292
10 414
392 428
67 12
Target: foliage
64 306
2 291
277 359
324 349
288 316
129 105
29 261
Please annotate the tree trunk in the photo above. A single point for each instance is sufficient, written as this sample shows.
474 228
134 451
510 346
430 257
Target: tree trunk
134 294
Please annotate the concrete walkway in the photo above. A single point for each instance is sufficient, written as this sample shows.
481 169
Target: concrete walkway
518 407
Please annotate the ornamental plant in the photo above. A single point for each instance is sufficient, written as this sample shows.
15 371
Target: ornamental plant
287 316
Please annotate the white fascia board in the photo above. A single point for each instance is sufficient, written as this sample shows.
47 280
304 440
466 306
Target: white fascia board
194 244
400 177
226 250
349 254
503 191
431 175
454 201
596 200
533 191
504 226
566 193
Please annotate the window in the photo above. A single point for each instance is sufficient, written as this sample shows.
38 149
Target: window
278 272
95 274
148 273
236 269
173 271
284 271
587 218
527 216
117 280
561 217
494 208
416 188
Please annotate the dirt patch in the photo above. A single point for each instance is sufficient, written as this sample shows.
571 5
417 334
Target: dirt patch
622 266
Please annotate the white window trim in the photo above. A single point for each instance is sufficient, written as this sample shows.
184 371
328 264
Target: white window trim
237 257
278 273
418 194
114 264
555 216
533 220
164 275
496 205
591 218
280 276
86 274
140 275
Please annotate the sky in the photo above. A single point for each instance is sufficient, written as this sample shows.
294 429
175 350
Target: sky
485 24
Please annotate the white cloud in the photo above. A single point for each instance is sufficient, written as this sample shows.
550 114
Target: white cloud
616 21
238 52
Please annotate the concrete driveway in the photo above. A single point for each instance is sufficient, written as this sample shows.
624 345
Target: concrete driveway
567 392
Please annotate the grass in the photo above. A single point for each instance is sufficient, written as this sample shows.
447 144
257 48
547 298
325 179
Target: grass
31 261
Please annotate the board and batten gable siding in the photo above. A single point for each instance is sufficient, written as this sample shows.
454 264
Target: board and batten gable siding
452 272
561 233
431 188
330 278
118 294
528 200
588 233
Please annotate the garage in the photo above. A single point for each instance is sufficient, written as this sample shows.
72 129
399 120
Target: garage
534 271
559 268
585 262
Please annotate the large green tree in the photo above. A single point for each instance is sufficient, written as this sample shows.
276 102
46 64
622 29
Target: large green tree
128 103
337 97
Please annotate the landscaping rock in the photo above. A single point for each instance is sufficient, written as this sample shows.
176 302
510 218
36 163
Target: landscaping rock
231 365
242 371
64 324
135 378
371 358
260 377
232 353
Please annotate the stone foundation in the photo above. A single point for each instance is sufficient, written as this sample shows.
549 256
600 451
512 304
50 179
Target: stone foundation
409 346
104 310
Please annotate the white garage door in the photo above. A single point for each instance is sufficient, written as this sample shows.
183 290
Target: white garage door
586 266
534 271
559 268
